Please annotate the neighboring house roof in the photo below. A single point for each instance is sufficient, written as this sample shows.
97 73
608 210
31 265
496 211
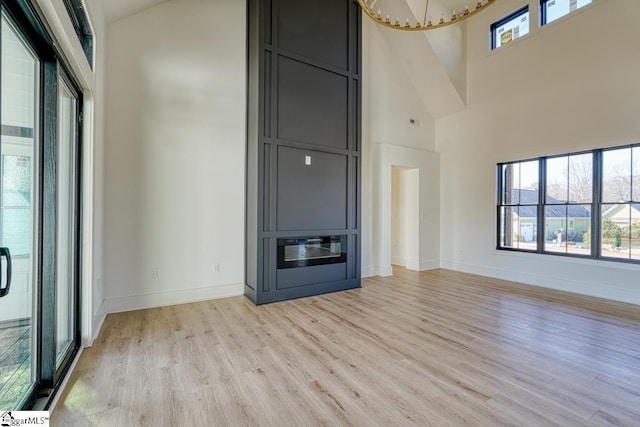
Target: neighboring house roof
622 212
551 211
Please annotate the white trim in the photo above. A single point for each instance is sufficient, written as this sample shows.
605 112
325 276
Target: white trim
367 272
631 296
428 163
59 22
396 260
384 271
377 271
412 265
87 231
423 265
161 299
63 384
98 320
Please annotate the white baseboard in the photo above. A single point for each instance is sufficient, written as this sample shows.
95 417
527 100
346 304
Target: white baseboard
367 272
402 262
65 381
384 271
161 299
98 320
422 266
376 271
631 296
430 265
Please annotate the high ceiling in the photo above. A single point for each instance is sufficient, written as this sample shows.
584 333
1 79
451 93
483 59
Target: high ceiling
118 9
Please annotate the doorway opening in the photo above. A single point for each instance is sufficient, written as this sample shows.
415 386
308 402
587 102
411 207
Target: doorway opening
405 215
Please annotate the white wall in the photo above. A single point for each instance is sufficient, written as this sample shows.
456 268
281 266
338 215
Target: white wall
174 192
96 275
389 101
570 86
174 195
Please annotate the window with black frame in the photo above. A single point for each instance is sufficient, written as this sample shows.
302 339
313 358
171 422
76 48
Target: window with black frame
518 205
620 208
590 205
568 204
550 10
510 28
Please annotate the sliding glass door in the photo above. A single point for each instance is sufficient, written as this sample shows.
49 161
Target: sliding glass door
18 236
66 220
39 211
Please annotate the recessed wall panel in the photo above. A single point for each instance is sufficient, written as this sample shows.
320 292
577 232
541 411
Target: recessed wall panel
317 29
297 277
312 104
312 190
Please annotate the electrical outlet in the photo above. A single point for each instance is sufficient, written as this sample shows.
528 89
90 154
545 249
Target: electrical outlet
215 268
154 273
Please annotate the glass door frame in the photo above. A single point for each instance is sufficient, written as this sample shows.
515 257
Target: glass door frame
47 373
60 367
34 154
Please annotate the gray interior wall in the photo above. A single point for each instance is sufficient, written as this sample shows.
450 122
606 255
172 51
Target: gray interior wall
303 154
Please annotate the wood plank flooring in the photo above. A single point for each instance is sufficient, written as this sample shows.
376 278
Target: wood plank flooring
435 348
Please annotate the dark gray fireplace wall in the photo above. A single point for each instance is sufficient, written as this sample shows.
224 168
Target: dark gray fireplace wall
303 141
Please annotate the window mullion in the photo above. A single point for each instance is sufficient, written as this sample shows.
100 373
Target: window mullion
542 195
499 205
596 207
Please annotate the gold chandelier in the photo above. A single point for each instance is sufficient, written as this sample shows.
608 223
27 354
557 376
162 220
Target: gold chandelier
382 18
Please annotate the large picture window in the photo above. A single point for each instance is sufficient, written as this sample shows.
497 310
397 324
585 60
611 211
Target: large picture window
553 204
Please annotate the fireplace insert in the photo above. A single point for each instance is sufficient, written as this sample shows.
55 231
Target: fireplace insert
307 251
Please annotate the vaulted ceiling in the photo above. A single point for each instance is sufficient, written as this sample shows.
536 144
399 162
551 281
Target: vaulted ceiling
438 73
118 9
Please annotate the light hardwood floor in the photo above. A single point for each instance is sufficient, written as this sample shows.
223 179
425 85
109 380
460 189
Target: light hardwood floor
433 348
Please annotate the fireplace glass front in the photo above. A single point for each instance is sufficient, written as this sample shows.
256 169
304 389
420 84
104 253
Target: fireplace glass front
309 251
